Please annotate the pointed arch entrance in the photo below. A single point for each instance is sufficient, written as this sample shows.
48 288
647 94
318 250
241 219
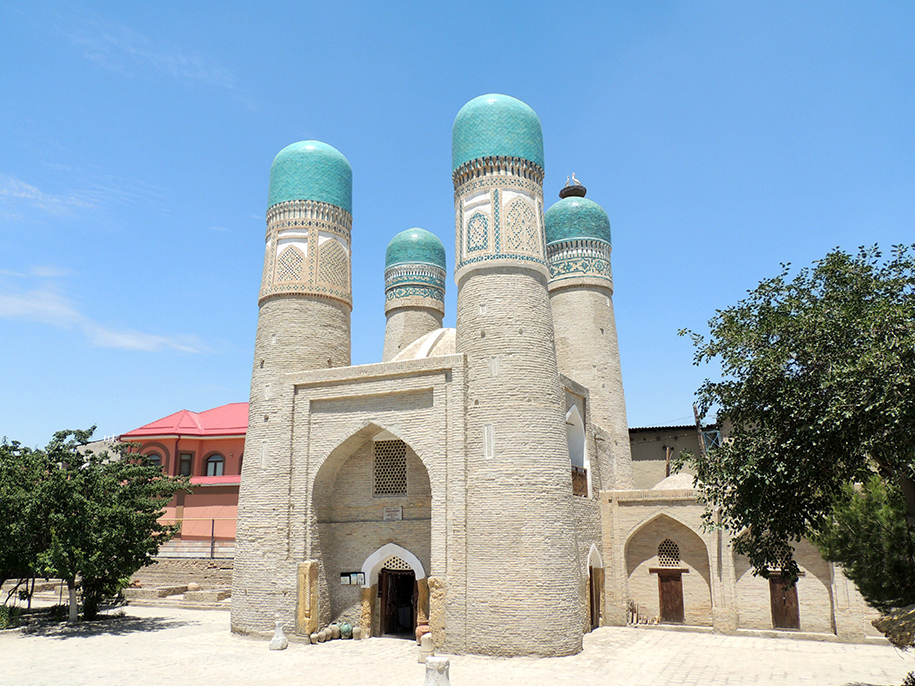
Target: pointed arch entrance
595 585
401 600
668 571
373 505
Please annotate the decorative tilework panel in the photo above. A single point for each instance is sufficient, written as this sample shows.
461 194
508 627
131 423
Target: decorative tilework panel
267 276
408 291
333 265
521 234
289 265
580 266
477 233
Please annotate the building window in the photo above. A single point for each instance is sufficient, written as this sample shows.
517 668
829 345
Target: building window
575 436
390 468
215 465
668 553
185 463
154 458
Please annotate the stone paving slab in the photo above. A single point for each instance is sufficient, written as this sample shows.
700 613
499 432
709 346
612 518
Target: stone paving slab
155 645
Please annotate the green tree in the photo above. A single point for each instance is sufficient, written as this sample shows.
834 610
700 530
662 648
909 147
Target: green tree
818 381
97 514
21 527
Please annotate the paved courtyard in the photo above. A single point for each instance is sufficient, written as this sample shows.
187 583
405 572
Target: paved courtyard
155 645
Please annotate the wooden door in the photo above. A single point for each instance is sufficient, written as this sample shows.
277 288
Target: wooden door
384 594
670 594
595 584
785 611
397 591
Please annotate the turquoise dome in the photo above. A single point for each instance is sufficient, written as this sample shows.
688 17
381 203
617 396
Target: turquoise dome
496 125
572 218
415 246
311 170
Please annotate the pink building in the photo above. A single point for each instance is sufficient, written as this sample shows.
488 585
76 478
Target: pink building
208 447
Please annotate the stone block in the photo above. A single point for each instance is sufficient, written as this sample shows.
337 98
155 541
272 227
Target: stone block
279 640
213 595
438 671
426 649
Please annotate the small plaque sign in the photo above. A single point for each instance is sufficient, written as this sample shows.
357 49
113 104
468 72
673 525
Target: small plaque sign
357 579
393 514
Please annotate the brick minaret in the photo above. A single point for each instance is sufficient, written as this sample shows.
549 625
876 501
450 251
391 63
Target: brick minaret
581 295
414 288
522 575
303 324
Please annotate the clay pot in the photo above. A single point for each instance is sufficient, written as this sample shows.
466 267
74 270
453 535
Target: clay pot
421 630
346 630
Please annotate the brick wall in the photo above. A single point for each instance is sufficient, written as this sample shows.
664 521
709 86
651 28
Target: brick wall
406 325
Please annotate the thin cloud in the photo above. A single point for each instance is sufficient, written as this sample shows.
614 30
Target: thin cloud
19 198
47 304
49 271
121 49
13 190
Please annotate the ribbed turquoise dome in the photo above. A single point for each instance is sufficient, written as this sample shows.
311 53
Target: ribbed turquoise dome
573 217
311 170
494 125
413 246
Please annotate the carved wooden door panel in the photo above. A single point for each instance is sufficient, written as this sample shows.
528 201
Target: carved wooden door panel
670 593
595 596
785 610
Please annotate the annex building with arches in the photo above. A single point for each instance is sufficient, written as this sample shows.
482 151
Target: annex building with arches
481 480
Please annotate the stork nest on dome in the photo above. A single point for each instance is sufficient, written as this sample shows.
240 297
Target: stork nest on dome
573 188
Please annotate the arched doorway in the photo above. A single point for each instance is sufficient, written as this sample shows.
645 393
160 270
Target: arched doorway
371 489
668 574
401 599
595 585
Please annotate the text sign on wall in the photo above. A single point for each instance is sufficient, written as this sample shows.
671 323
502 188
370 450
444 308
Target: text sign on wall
392 514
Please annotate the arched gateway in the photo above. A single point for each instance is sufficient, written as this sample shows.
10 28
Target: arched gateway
372 502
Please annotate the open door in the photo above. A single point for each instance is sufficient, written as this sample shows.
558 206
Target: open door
398 592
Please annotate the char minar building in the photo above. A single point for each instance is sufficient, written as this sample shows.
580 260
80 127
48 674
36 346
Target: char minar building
478 480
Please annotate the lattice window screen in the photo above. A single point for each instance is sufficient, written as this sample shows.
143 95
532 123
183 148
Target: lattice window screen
396 564
390 468
668 553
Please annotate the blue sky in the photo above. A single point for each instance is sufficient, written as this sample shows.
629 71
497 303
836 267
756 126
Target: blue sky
136 140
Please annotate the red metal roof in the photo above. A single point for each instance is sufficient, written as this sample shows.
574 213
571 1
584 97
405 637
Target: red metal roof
225 420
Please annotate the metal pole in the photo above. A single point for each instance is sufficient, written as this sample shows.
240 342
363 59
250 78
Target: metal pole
212 538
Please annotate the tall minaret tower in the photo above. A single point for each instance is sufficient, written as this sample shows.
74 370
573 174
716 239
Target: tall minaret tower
522 568
581 295
303 324
414 288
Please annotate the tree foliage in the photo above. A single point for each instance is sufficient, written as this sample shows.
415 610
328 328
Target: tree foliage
867 531
21 530
81 516
818 380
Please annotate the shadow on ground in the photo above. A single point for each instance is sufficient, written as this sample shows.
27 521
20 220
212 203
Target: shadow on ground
114 626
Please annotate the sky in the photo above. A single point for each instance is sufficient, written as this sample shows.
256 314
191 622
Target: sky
722 138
